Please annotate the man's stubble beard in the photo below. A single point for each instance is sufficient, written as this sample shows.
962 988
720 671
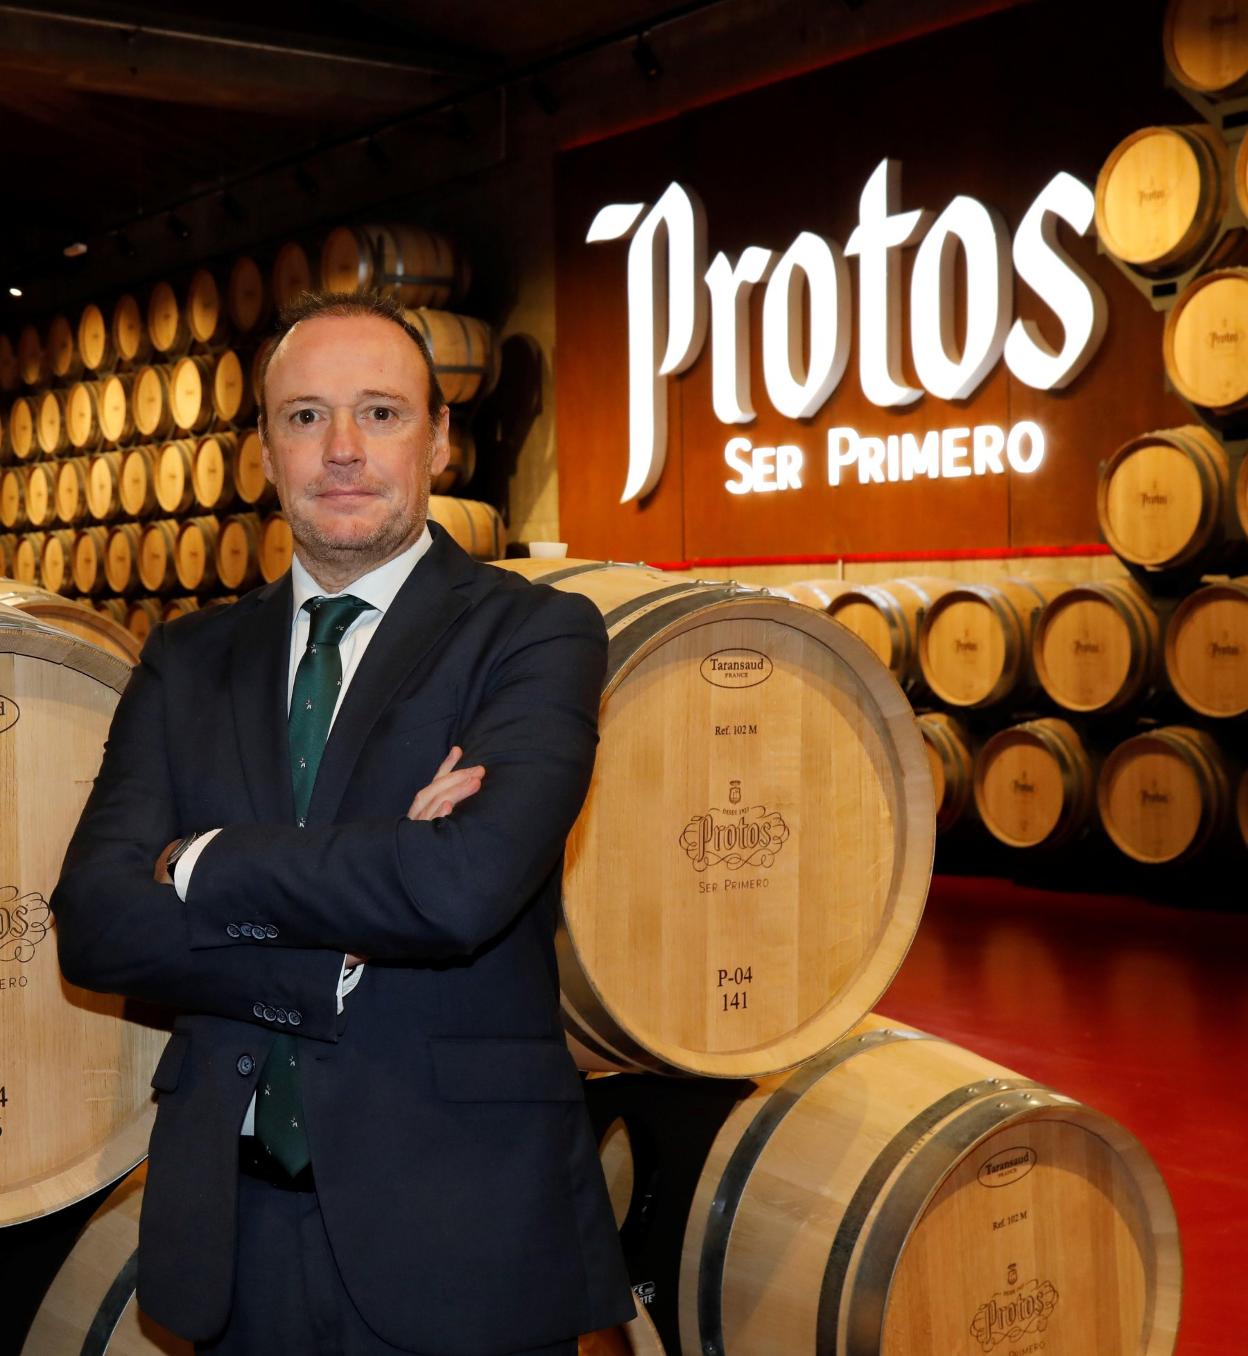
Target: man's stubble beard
364 553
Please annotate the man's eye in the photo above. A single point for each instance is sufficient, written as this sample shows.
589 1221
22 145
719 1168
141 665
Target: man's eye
382 413
305 417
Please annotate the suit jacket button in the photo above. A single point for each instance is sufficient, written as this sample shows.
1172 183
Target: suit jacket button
246 929
245 1065
258 1009
231 930
270 1014
270 930
282 1014
293 1017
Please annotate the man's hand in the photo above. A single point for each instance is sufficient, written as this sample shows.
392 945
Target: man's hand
160 872
449 787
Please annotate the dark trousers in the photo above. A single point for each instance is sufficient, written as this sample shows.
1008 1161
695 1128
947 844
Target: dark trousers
301 1308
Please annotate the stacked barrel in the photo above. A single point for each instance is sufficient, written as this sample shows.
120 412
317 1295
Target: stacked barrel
131 470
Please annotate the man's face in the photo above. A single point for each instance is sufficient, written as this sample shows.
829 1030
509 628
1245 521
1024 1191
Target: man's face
348 440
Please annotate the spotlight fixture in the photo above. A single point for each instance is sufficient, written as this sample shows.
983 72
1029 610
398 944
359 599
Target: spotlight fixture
644 56
73 251
177 226
15 291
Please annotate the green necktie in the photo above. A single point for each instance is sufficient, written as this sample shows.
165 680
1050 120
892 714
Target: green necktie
279 1108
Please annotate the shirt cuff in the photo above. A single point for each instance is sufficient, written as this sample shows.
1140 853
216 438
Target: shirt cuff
347 980
185 864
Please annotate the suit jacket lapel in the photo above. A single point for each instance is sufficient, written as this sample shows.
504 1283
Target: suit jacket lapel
259 678
434 596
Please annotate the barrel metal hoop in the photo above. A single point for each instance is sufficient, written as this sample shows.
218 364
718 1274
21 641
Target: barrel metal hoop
618 614
568 571
628 643
112 1306
741 1164
930 1163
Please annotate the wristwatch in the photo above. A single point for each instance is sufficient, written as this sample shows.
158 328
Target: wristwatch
179 850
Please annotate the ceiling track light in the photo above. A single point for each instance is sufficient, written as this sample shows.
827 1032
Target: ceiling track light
15 291
74 251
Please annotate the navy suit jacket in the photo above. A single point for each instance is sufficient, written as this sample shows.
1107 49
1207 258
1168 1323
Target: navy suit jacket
454 1162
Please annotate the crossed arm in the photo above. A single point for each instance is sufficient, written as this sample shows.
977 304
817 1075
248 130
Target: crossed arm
419 886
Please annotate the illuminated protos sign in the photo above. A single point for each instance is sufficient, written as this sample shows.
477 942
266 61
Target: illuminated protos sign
672 293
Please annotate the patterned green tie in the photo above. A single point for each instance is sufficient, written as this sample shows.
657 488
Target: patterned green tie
279 1109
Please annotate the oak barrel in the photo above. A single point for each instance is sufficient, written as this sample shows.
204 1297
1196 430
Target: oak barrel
475 526
64 360
75 618
462 465
158 555
1098 646
901 1195
138 481
277 547
251 485
50 429
951 763
22 428
104 486
1161 498
71 490
1161 195
1165 795
1205 341
205 315
888 617
292 273
238 551
90 547
79 1107
13 497
82 416
151 401
56 561
1035 785
975 641
816 593
190 393
95 340
175 471
141 615
1207 649
41 494
210 476
232 399
168 326
28 558
116 412
788 855
464 352
418 266
246 298
1206 45
131 342
121 558
196 560
32 358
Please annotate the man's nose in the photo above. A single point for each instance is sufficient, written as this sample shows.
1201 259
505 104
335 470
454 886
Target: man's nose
346 440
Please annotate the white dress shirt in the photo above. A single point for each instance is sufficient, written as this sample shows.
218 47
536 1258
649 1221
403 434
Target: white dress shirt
378 588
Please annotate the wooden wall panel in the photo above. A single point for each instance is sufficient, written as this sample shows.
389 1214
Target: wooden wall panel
993 109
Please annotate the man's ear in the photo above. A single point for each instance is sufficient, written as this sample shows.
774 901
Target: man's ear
266 457
441 442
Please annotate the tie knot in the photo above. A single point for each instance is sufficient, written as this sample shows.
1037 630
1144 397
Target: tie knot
330 617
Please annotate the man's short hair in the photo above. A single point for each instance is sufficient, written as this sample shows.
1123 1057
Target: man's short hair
309 305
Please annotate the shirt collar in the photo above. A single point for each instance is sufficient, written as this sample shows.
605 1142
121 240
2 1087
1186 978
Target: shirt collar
378 587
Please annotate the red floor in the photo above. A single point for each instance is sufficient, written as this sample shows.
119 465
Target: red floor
1137 1009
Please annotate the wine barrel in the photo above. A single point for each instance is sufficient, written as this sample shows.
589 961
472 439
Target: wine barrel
95 340
28 557
900 1195
952 767
1098 646
8 549
1161 498
1161 196
210 476
246 300
418 266
158 555
74 618
131 341
168 326
104 486
82 416
50 428
975 641
116 409
804 800
151 401
1035 785
56 561
196 558
277 547
13 498
114 609
175 471
138 481
1205 341
251 485
32 358
888 617
231 391
41 494
462 465
1207 649
292 273
9 376
22 428
475 526
238 551
64 360
1165 795
121 559
816 593
71 490
190 393
79 1107
465 355
179 607
90 548
90 1308
142 615
1206 45
205 315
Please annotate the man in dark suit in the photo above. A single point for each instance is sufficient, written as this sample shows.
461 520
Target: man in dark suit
370 1137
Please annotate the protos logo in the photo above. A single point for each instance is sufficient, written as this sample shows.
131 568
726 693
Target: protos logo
673 295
